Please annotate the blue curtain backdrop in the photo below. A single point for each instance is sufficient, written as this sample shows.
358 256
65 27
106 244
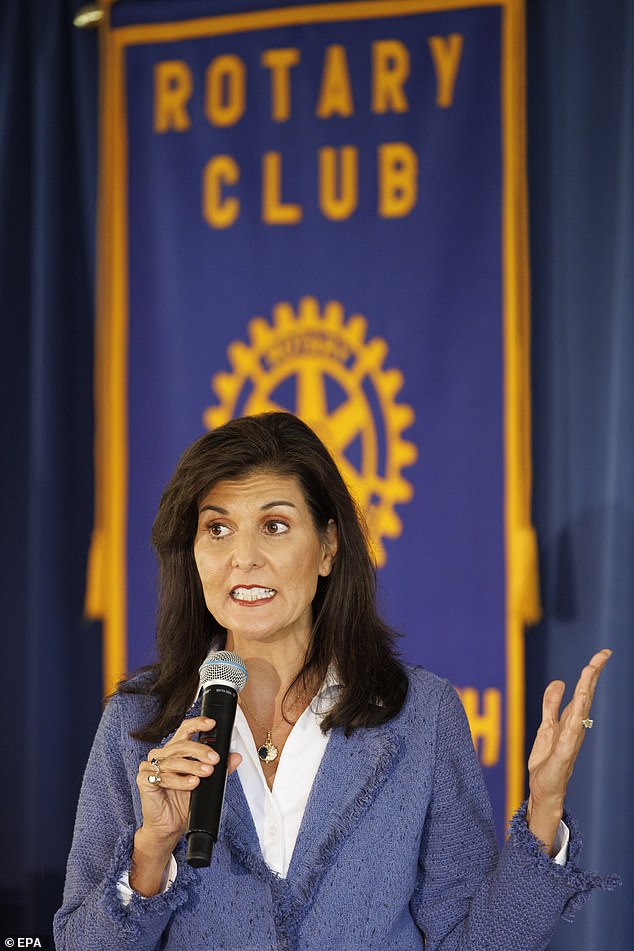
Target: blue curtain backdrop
49 658
581 147
581 163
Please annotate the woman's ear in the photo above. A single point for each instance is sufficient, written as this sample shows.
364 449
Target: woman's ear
329 545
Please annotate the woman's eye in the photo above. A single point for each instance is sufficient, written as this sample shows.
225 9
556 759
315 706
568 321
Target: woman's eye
218 530
274 527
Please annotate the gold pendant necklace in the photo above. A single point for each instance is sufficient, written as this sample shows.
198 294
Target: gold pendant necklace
268 752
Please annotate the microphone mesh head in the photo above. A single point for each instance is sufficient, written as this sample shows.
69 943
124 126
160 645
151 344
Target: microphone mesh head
223 667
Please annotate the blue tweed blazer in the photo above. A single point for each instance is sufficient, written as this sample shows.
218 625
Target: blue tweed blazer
396 852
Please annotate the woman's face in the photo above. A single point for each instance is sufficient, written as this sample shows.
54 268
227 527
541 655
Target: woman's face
259 556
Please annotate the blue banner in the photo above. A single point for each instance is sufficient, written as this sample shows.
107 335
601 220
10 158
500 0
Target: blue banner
321 208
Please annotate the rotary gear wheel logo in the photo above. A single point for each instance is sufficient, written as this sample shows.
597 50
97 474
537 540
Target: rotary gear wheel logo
334 380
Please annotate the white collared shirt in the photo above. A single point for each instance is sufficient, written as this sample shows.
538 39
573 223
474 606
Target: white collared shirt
278 812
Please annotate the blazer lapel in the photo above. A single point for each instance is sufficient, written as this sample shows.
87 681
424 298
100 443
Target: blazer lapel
352 772
238 832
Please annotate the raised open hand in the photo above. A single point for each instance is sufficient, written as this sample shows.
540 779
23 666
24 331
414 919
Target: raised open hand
557 746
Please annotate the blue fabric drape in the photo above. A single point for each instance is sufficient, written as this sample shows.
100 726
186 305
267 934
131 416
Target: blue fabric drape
581 148
49 659
581 143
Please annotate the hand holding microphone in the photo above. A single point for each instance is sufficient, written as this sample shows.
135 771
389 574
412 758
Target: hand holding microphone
172 775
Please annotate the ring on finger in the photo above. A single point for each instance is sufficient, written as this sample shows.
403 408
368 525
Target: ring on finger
587 723
155 777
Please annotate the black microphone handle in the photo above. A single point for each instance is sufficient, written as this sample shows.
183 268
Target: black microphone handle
205 807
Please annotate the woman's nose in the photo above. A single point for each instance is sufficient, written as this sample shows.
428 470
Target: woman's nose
246 555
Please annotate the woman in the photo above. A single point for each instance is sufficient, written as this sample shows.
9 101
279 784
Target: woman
355 813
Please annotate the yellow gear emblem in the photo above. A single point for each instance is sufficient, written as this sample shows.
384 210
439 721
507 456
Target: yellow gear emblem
340 390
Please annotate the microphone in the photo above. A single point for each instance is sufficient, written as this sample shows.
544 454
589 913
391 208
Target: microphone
222 676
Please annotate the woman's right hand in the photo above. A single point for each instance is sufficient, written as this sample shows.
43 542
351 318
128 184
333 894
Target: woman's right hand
182 762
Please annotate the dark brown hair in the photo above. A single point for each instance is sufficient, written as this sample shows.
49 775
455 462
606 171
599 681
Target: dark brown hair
347 630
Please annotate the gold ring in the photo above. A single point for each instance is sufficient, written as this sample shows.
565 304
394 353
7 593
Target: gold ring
154 779
154 763
587 724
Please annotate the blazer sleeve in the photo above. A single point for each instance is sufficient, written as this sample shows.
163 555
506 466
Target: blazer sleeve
468 896
92 916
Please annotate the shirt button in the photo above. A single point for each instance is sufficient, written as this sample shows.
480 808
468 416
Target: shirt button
273 831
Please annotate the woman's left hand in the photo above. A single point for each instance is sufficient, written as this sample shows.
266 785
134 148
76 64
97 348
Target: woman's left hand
556 748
